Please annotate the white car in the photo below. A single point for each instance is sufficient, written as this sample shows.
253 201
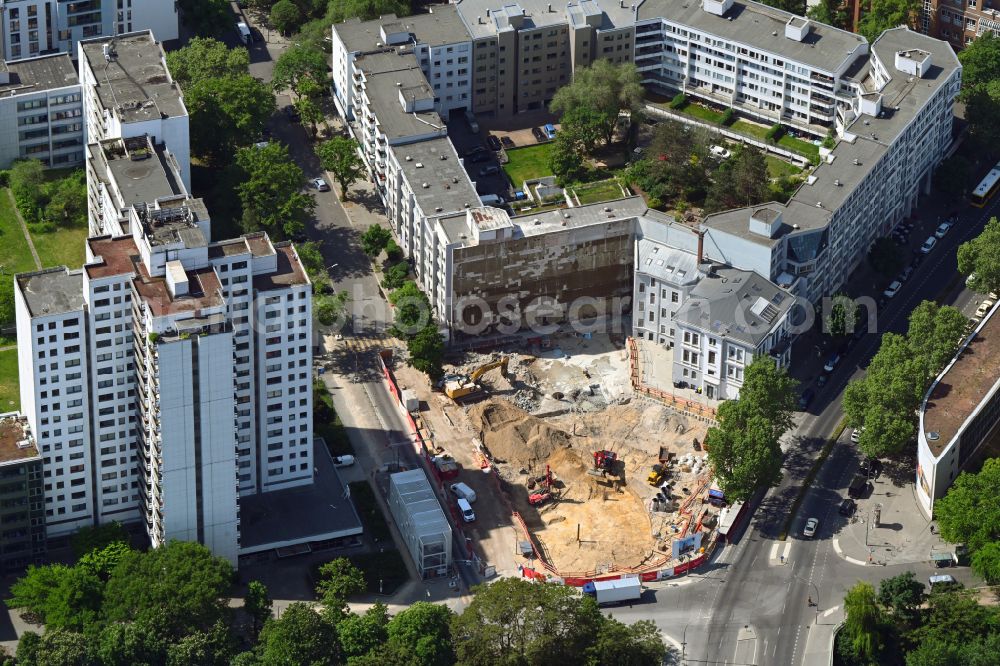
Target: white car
810 529
856 434
983 308
320 185
343 461
720 152
892 289
928 245
942 229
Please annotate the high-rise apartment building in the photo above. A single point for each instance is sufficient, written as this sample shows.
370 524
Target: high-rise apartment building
22 501
959 21
29 28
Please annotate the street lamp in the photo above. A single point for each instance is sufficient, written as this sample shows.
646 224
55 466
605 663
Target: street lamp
815 590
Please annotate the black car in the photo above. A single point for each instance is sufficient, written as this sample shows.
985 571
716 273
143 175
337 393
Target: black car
492 142
539 134
806 399
871 468
506 142
481 156
859 487
848 507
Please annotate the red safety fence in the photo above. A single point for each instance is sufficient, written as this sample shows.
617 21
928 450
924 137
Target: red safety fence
675 401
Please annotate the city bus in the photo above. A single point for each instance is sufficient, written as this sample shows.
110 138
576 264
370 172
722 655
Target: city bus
986 188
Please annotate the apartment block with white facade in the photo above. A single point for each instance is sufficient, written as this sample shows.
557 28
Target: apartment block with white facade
41 112
29 28
128 92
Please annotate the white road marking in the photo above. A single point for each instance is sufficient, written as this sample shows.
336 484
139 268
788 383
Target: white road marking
840 553
830 611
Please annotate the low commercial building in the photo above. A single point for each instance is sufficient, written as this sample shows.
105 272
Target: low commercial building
22 499
421 522
41 112
960 414
30 28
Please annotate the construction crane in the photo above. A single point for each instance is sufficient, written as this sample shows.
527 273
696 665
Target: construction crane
463 387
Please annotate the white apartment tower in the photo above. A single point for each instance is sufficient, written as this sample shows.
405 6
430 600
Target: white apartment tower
29 28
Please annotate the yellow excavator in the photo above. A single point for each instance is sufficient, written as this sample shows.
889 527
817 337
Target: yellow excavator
464 387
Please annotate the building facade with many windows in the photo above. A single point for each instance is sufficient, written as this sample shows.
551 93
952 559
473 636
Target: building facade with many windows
22 498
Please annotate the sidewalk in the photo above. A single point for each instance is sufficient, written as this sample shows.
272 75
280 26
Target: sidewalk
818 649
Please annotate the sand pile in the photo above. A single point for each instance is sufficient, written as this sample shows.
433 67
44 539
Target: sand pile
513 436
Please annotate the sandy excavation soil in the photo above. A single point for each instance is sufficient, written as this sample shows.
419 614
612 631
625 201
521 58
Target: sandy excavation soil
614 524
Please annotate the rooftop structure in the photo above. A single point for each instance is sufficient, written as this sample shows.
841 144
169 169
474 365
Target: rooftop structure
487 17
16 440
37 74
441 26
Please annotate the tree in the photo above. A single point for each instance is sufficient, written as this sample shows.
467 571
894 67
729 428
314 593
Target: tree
126 643
205 648
285 16
830 12
884 257
566 158
952 177
205 59
339 580
26 180
982 106
981 256
7 309
374 240
226 113
426 350
980 61
902 594
27 648
423 631
413 310
310 112
367 10
986 562
744 448
678 166
59 647
102 562
742 180
968 513
586 124
886 14
312 260
67 199
271 191
606 90
340 157
843 316
395 275
181 583
59 596
861 622
301 68
208 18
638 644
361 634
934 333
257 604
793 6
329 307
955 617
299 636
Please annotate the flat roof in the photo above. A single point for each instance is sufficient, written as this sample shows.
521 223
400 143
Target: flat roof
135 83
112 256
52 291
762 28
33 75
205 291
579 216
440 26
435 163
289 272
963 385
384 87
734 303
142 176
16 442
537 14
228 248
171 224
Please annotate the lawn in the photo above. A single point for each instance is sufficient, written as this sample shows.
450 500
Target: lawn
10 399
750 129
702 113
804 148
528 162
63 246
776 168
371 513
604 190
15 257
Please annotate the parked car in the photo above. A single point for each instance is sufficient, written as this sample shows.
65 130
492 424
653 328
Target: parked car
507 142
892 289
319 185
848 507
481 156
806 399
943 229
539 134
550 131
856 434
720 152
491 170
811 526
983 308
905 275
928 245
822 380
468 515
492 142
859 487
832 362
343 461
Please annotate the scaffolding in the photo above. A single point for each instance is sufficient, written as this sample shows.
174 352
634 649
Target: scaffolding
421 522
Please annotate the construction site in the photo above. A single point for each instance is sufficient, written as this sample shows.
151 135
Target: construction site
592 478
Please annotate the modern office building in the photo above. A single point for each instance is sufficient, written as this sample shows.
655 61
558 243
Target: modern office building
960 413
959 22
41 112
29 28
22 499
128 92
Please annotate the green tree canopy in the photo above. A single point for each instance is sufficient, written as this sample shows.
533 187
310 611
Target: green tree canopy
226 113
58 595
426 350
361 634
144 641
886 14
300 66
830 12
206 58
902 595
566 158
205 648
981 256
861 623
257 604
606 90
102 562
969 513
413 310
423 631
375 239
339 580
207 18
182 581
744 448
742 180
286 17
299 636
980 62
340 157
271 191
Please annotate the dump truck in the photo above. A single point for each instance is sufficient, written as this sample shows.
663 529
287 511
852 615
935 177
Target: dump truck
615 591
465 387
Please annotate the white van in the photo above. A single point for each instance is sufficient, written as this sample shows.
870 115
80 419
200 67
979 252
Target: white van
468 515
491 200
463 491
